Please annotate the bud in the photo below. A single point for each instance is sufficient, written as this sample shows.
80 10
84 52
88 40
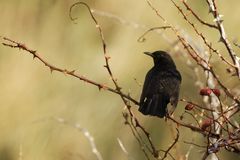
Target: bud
189 107
216 92
205 92
206 123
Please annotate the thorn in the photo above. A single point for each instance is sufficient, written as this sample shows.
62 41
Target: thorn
221 39
51 70
220 15
220 21
141 40
72 72
105 66
100 87
210 10
137 123
34 56
215 20
107 57
65 72
156 154
21 45
126 117
118 88
181 117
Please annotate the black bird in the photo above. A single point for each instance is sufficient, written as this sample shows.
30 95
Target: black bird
161 86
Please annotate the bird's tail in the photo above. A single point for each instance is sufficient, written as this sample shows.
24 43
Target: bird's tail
155 106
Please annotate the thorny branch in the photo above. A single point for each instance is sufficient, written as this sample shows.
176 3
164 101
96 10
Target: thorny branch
171 146
142 39
223 36
196 16
14 44
218 121
195 56
202 36
134 121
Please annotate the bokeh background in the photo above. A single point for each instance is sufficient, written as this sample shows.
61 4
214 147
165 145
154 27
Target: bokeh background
30 96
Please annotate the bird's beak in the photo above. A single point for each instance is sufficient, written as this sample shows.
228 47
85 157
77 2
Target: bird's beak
148 53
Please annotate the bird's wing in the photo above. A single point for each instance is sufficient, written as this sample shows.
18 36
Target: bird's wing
160 88
168 82
171 83
148 86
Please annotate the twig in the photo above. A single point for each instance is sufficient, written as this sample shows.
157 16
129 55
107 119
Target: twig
124 148
154 150
203 37
169 149
104 46
141 143
193 128
223 36
117 90
14 44
193 117
196 16
20 153
85 133
114 80
204 108
197 145
142 37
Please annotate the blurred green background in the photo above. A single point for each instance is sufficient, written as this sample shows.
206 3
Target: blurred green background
30 96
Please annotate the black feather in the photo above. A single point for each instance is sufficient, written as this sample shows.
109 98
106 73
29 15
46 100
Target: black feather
161 86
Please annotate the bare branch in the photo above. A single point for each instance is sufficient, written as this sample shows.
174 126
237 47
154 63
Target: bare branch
169 149
203 37
223 36
142 37
14 44
85 133
196 16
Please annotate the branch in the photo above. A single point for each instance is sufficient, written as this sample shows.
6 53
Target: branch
85 133
168 150
14 44
142 37
193 128
203 37
104 46
223 36
118 88
197 17
194 104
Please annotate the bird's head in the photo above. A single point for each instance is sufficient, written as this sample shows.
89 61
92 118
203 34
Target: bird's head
161 58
